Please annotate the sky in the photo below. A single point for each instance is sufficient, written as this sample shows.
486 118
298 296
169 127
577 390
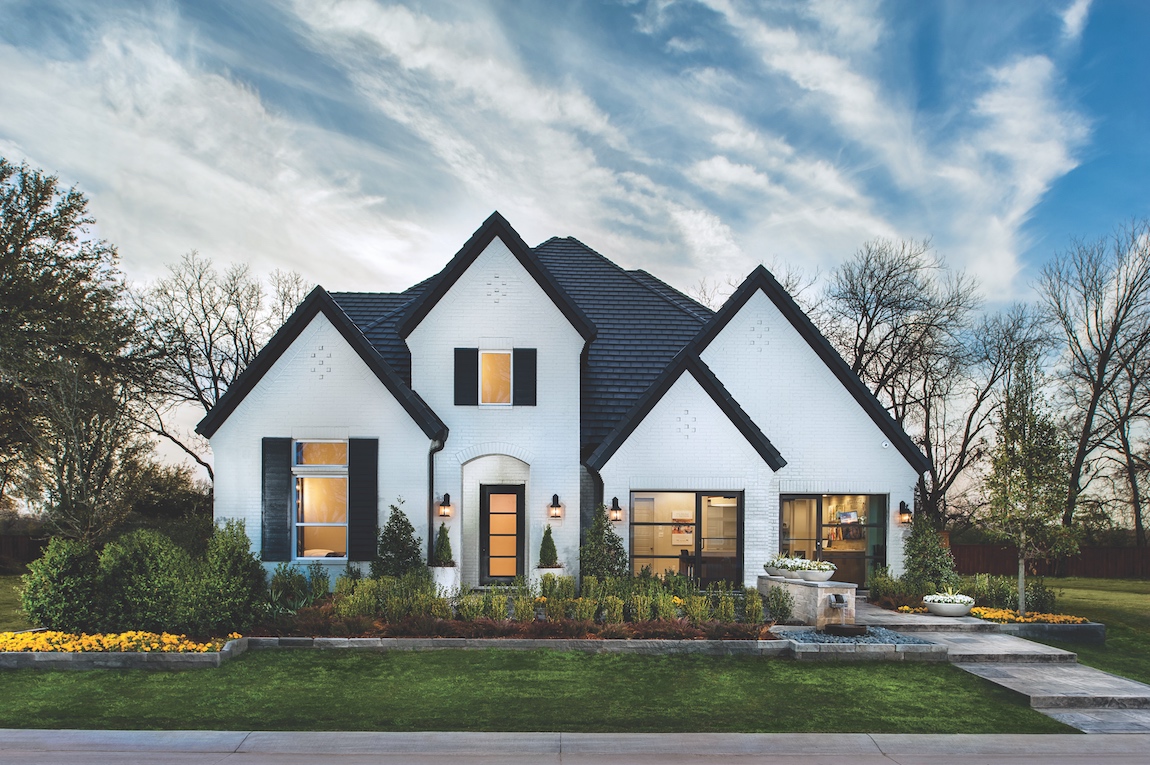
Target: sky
361 142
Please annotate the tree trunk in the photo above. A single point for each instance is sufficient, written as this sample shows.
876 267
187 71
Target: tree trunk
1021 583
1135 492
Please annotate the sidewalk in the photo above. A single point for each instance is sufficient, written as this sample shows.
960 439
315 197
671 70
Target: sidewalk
260 748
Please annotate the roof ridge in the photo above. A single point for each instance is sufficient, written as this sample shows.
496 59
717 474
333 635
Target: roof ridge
705 318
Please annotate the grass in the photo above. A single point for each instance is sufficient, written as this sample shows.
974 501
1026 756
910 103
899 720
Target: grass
1123 605
540 690
11 617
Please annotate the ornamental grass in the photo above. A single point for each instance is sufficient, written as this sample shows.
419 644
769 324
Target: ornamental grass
1008 616
143 642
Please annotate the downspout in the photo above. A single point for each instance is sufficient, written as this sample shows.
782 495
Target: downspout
436 445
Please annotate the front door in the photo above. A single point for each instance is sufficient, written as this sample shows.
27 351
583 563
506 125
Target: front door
501 532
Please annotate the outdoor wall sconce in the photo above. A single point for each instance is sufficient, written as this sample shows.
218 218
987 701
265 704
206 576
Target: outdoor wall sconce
616 512
555 510
445 506
905 516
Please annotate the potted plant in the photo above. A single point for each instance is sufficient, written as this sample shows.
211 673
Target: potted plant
949 603
772 566
548 555
444 572
817 570
790 567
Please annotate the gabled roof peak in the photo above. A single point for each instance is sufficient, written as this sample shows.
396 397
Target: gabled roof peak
496 226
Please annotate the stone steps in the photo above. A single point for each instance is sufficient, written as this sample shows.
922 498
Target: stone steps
1060 686
994 648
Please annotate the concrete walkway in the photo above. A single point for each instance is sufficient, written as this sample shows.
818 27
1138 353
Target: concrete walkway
1088 699
264 748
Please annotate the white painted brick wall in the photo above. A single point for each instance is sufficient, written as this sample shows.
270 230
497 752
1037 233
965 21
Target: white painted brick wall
319 388
831 445
496 303
687 443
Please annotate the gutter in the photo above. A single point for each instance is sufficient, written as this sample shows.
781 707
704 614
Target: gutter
436 445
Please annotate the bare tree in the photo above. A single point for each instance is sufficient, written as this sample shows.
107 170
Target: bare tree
1098 295
207 326
1124 411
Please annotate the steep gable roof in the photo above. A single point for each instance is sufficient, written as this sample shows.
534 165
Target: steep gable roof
319 301
495 226
687 362
762 279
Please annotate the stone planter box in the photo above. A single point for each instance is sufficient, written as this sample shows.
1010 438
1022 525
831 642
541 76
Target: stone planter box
121 659
812 599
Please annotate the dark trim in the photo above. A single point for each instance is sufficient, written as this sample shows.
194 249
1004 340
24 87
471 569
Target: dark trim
362 498
485 492
319 301
276 500
687 361
431 504
524 376
761 279
495 226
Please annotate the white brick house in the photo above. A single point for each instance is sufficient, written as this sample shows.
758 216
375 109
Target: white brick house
522 387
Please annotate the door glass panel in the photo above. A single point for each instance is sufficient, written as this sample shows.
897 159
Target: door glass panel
502 547
503 567
503 524
799 532
503 535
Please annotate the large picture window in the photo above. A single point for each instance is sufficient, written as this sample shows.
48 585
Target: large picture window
319 469
697 534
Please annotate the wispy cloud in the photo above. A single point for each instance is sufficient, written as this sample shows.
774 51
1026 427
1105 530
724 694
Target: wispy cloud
1074 19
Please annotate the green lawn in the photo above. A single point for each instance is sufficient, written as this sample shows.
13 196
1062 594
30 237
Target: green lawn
521 691
1123 605
11 618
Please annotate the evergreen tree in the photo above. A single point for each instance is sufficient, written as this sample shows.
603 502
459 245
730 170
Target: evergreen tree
398 551
443 555
929 565
602 554
1029 472
548 555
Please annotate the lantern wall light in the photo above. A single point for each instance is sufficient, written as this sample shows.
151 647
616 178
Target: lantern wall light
905 515
445 506
616 512
555 510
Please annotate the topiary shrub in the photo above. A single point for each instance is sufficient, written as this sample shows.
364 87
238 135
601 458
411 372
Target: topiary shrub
232 583
929 564
60 590
442 555
548 555
602 554
398 551
148 583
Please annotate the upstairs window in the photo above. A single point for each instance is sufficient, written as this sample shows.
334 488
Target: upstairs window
495 378
320 472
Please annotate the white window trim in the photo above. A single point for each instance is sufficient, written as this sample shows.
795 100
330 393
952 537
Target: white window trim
479 381
317 471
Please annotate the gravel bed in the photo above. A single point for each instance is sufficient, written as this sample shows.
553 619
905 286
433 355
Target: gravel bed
879 635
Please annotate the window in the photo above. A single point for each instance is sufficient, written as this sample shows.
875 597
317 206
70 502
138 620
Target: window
495 377
320 472
697 534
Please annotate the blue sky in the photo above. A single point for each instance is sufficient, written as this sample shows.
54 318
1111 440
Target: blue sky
360 142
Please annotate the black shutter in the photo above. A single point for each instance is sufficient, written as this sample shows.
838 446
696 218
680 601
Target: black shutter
362 497
523 367
467 377
276 532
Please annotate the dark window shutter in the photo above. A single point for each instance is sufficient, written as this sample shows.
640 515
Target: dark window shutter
523 367
362 497
467 377
277 506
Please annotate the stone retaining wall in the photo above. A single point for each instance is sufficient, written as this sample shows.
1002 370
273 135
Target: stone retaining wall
1091 633
121 659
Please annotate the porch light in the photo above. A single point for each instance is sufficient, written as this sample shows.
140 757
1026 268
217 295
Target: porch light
904 514
555 510
616 512
445 506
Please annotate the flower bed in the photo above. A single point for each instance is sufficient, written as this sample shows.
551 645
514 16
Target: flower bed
122 642
1007 616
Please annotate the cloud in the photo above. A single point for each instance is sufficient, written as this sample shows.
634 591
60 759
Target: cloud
1074 19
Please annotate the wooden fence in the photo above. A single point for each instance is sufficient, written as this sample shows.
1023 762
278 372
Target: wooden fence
1103 562
21 548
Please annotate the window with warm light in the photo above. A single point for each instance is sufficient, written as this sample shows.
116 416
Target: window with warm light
495 377
320 472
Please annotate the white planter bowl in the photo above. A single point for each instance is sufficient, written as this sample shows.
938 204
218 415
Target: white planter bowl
790 574
948 609
772 571
816 576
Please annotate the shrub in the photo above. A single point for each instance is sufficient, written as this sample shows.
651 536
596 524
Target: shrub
470 607
780 605
602 554
289 588
442 555
233 583
698 608
495 604
584 608
555 608
524 608
753 607
398 551
666 608
361 600
319 582
548 555
929 565
553 586
1002 592
725 608
641 606
60 591
612 609
144 578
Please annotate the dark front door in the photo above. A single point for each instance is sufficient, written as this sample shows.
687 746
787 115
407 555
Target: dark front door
501 533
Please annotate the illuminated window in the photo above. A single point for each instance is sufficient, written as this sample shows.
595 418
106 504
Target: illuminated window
495 377
320 472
